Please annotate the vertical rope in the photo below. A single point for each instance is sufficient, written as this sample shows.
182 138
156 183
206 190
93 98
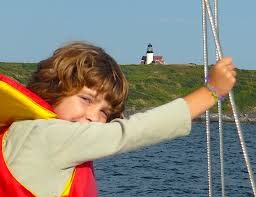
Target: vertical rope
221 149
207 116
216 21
232 102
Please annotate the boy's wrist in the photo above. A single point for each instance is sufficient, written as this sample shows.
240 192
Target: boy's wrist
213 91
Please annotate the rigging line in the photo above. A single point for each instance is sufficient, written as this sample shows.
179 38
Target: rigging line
216 22
232 102
207 116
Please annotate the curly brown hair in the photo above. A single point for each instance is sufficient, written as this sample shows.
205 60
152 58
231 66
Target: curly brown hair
76 65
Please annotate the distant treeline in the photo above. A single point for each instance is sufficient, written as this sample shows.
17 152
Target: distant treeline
153 85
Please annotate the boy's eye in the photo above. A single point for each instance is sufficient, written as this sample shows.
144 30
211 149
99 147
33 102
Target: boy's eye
86 99
105 113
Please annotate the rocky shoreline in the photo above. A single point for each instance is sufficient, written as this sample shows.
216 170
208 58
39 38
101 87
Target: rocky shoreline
243 118
214 117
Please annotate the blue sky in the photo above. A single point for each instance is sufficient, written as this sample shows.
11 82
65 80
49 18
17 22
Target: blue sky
31 30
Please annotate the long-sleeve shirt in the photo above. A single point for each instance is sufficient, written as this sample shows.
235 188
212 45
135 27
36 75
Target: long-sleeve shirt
42 154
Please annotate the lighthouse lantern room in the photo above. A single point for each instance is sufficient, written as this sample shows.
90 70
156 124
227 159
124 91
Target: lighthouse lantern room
150 54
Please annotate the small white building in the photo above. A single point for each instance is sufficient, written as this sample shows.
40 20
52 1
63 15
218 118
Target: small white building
149 58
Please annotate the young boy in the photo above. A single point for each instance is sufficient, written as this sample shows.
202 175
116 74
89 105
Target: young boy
88 90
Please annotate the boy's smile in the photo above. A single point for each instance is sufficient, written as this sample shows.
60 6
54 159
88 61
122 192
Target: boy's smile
85 106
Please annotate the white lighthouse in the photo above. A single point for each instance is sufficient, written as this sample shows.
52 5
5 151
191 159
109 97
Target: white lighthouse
149 58
150 54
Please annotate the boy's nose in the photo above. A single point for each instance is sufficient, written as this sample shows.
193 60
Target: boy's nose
92 116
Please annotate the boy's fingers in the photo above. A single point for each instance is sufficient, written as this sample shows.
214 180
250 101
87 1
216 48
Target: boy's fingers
233 80
229 75
233 73
231 66
226 59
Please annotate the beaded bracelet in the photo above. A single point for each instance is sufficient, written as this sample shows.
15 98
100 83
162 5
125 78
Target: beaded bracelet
212 89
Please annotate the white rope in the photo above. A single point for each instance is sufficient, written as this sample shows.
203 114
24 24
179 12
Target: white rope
207 117
216 10
232 102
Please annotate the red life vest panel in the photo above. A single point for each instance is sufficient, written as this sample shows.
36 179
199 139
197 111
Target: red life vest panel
30 106
9 185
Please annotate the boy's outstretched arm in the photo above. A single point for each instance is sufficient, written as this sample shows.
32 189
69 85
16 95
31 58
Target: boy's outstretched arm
222 78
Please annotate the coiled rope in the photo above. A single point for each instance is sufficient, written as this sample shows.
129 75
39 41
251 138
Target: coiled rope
206 6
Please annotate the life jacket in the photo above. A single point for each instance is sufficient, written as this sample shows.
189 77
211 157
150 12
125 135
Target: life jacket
18 103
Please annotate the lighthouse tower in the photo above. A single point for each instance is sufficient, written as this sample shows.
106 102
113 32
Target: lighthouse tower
149 58
150 54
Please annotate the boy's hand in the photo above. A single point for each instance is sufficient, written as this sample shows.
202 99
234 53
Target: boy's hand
223 76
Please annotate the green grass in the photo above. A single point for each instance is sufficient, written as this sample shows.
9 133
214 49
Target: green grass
153 85
19 71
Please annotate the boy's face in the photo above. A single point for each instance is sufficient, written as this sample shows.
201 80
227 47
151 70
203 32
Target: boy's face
85 106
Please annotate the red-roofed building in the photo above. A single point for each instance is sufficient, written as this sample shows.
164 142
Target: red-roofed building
149 58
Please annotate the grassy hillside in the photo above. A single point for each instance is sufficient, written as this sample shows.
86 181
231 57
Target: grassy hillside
152 85
18 71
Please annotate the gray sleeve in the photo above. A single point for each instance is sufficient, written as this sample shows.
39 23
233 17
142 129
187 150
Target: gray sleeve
70 144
